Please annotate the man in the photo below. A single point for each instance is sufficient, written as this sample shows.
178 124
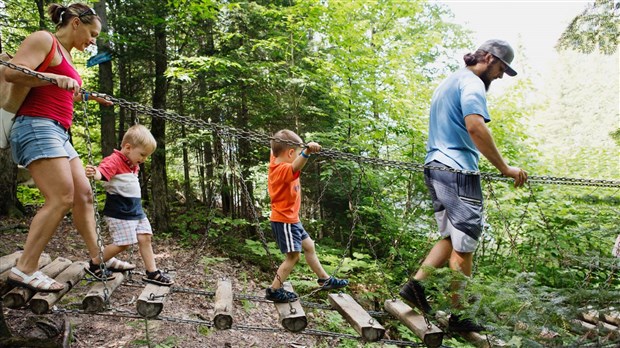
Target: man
457 134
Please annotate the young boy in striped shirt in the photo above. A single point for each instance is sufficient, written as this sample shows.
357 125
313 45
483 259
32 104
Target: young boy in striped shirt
123 212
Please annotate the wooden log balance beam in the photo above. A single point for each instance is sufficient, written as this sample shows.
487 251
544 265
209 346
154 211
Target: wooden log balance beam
589 331
42 302
223 305
430 334
5 287
611 316
362 322
95 300
151 300
596 318
291 314
8 261
18 297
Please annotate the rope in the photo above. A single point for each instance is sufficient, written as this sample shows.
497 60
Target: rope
330 153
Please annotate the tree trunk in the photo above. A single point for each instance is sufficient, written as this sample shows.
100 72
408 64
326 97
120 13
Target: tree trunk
158 166
106 85
9 205
187 180
4 328
124 76
207 48
41 10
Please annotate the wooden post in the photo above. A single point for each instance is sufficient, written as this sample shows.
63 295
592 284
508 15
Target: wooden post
362 322
8 261
95 299
431 336
478 339
589 331
612 330
5 287
18 297
42 302
591 316
151 301
223 305
612 316
292 315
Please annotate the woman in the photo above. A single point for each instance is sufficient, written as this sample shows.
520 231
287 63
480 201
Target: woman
40 140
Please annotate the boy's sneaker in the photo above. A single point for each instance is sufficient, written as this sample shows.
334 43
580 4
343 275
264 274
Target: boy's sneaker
332 283
157 278
413 293
280 295
458 324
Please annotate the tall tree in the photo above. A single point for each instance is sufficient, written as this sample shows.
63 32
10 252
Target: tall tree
106 83
597 27
158 125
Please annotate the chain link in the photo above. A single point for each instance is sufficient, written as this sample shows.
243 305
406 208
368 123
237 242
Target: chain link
122 313
264 139
93 186
207 293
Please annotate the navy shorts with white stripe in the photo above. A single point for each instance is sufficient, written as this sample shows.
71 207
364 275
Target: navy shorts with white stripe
289 236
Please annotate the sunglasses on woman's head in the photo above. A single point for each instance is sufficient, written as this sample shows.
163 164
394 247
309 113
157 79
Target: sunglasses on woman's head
89 12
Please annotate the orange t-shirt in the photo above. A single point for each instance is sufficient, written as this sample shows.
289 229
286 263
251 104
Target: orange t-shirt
285 192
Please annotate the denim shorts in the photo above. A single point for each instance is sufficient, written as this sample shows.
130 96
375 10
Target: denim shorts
34 138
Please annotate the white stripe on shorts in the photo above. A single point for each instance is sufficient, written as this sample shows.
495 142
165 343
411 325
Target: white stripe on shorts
288 234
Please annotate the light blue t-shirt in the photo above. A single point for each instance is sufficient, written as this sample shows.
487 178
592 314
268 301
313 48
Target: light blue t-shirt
459 95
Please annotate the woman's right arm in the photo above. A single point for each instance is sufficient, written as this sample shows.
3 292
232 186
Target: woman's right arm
30 55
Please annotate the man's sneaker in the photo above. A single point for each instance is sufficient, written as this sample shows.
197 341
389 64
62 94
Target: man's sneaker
280 295
413 293
457 324
332 283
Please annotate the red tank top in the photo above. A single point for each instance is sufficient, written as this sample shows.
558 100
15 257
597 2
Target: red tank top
50 101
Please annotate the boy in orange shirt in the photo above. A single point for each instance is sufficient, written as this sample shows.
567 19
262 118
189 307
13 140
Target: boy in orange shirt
284 188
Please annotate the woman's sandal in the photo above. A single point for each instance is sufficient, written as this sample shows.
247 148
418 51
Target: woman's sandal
116 265
157 278
37 282
96 272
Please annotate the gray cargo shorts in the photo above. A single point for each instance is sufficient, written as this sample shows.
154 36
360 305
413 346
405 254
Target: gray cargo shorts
457 202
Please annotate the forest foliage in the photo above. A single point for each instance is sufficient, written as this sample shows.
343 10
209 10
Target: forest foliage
357 76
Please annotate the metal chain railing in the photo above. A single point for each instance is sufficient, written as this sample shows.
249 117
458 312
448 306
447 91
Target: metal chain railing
253 298
353 209
93 185
264 139
121 313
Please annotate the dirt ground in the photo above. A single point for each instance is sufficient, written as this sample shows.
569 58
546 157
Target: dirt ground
111 332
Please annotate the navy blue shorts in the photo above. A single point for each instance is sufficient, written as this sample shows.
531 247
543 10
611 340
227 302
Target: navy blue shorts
289 236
